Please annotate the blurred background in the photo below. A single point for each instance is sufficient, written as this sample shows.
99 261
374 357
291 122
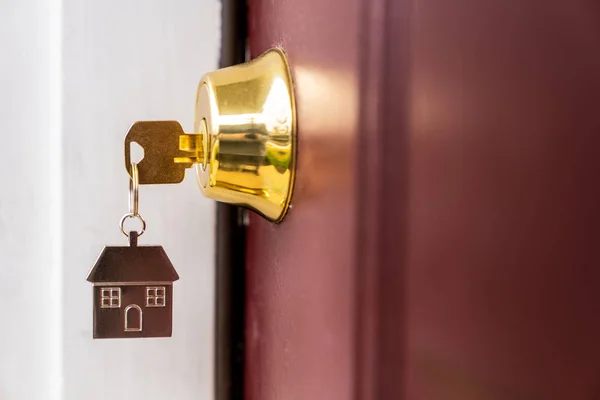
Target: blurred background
74 75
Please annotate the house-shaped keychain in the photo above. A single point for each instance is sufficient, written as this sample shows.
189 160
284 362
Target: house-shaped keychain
133 292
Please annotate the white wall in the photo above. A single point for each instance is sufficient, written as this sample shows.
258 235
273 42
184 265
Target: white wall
74 75
29 200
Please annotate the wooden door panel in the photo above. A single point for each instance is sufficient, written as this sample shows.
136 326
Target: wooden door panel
442 242
502 271
300 274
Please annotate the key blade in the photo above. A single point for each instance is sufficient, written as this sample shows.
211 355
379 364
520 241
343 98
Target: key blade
160 141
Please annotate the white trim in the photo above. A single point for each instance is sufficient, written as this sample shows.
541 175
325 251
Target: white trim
55 336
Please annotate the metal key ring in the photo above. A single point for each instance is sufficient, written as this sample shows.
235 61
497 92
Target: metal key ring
134 197
134 190
128 216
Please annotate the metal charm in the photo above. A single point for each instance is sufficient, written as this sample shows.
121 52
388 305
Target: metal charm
133 286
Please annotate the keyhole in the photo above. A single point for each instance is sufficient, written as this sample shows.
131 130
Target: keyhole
136 152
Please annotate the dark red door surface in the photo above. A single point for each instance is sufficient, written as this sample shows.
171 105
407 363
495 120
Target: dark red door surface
443 242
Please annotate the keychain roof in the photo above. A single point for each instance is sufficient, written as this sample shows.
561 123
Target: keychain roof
133 264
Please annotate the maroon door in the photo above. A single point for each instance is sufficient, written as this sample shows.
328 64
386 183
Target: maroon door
443 242
301 274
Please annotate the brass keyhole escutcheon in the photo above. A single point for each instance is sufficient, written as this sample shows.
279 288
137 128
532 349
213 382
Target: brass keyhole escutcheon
244 143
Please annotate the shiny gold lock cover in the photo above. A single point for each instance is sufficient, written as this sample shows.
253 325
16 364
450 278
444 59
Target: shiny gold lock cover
246 114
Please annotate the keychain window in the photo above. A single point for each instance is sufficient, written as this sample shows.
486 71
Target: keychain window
110 297
155 296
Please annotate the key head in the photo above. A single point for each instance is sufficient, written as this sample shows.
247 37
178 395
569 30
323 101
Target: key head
160 141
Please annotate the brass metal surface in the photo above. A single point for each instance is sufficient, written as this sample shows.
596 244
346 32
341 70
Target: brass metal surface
160 141
249 115
243 145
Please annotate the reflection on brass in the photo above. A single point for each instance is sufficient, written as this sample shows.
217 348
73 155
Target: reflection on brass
249 112
243 146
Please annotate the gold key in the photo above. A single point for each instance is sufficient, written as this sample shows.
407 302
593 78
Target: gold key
163 160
